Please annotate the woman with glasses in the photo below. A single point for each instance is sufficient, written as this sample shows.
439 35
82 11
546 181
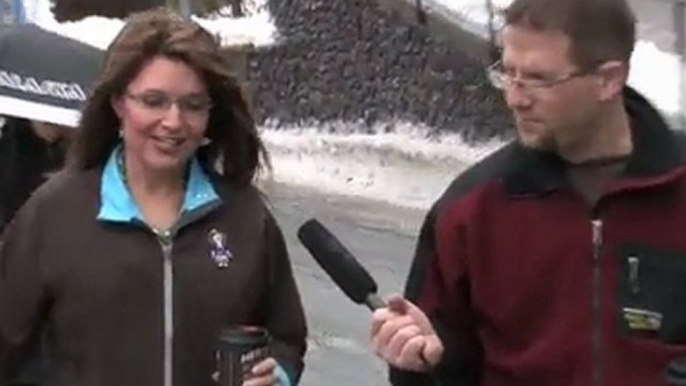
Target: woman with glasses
154 239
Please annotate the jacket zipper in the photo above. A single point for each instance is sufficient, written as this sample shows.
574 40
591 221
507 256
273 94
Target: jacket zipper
597 309
166 241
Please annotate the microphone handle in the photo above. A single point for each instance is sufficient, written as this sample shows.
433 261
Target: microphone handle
374 302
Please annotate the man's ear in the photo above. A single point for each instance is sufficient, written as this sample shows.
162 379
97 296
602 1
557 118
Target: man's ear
613 76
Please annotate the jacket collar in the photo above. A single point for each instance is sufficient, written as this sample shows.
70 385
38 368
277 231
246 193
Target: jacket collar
118 205
657 154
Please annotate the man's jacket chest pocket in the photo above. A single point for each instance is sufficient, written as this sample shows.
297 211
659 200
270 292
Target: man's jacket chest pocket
652 293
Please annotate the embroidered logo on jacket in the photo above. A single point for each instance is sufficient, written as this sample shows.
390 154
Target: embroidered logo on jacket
219 252
643 320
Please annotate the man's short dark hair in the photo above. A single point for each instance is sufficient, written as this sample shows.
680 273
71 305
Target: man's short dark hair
599 30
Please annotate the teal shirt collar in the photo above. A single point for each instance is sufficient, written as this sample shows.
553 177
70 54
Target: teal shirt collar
118 205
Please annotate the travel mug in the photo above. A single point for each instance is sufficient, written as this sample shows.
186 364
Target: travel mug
240 348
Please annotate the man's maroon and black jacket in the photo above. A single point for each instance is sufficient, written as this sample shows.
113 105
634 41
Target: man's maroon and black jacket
528 286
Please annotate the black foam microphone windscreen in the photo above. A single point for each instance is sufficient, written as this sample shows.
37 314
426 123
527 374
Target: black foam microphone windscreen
350 276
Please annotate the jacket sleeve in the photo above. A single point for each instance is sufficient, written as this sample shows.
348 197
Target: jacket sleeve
438 284
6 163
283 310
22 300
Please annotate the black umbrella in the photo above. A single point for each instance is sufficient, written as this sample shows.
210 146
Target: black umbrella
43 75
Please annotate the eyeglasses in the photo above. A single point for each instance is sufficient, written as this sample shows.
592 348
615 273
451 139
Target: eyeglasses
501 79
159 102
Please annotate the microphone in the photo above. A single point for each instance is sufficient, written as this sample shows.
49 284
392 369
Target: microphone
350 276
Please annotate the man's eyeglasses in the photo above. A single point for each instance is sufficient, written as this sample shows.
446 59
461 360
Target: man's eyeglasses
502 79
159 102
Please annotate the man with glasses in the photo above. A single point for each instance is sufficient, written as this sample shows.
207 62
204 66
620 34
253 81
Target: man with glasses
561 258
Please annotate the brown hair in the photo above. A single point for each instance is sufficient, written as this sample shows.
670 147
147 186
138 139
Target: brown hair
235 143
599 30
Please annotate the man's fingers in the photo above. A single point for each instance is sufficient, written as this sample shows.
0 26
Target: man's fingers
397 304
379 317
393 310
410 357
404 337
388 330
402 306
433 350
398 341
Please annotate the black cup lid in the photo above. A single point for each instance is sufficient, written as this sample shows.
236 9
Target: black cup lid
244 335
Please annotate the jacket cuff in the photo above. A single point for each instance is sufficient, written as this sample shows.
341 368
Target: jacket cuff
282 376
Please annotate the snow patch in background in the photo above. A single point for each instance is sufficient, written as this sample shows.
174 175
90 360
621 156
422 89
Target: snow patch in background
408 168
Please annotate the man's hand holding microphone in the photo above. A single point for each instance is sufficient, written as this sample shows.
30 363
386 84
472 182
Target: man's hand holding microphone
403 336
401 333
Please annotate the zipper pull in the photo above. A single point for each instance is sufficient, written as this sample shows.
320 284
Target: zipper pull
597 233
634 262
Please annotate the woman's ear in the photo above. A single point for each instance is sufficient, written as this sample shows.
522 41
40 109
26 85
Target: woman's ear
117 104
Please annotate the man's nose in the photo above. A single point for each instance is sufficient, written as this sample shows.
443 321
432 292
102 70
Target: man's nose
517 97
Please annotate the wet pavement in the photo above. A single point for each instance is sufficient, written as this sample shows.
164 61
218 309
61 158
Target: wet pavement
382 238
